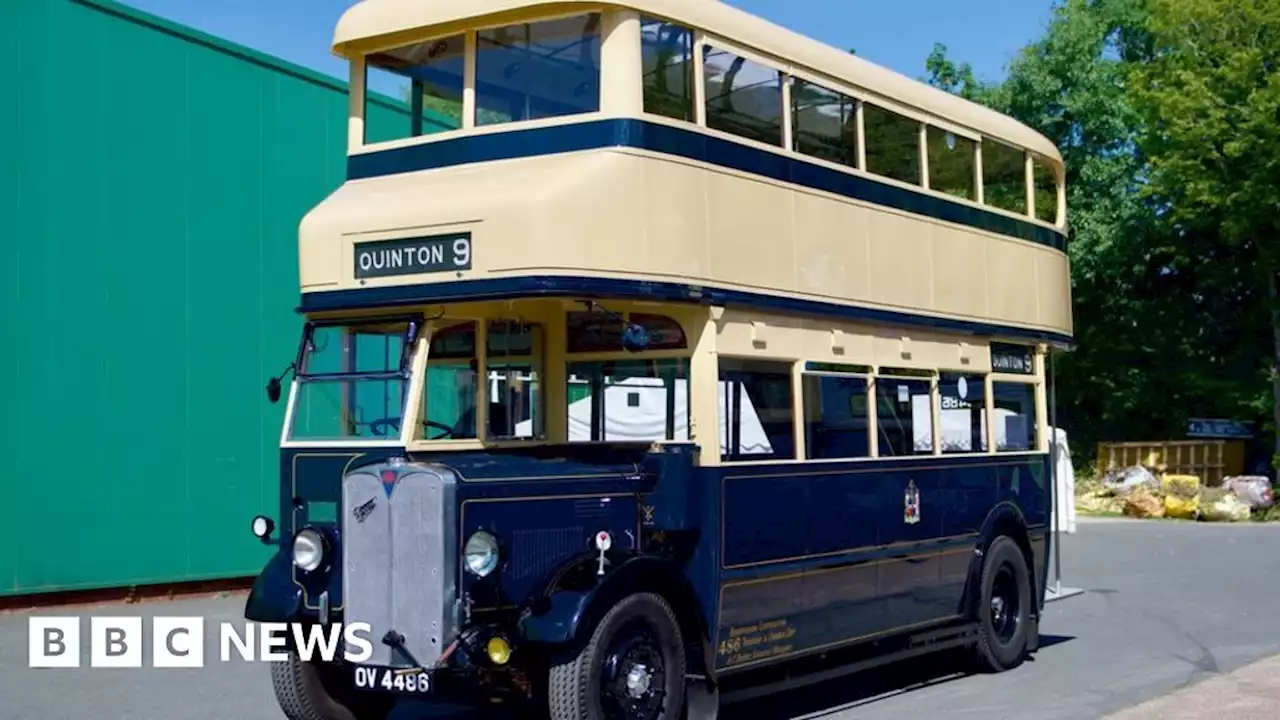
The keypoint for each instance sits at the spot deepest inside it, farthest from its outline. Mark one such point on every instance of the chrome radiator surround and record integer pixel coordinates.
(400, 558)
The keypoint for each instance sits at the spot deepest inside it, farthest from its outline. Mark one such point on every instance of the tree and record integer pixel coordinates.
(1210, 99)
(955, 79)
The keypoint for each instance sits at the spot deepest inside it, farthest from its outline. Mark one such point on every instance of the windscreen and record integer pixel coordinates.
(352, 381)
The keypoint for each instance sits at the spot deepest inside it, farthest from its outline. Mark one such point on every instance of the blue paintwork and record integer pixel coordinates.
(823, 547)
(693, 144)
(532, 286)
(803, 556)
(274, 597)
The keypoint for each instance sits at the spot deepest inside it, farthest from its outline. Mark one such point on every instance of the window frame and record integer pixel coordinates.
(358, 72)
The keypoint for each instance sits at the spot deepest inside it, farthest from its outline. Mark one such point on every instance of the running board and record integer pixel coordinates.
(916, 645)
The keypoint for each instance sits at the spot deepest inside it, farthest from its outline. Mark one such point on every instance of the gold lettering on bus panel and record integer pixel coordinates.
(758, 641)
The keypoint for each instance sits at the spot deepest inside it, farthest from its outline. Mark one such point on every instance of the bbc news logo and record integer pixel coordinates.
(179, 642)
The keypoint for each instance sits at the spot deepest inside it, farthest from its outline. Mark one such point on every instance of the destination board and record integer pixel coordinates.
(413, 256)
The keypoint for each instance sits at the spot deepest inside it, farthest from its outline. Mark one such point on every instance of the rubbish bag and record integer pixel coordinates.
(1181, 496)
(1142, 502)
(1253, 490)
(1123, 481)
(1227, 508)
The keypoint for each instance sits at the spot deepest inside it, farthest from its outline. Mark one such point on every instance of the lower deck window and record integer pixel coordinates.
(512, 374)
(628, 400)
(964, 413)
(1015, 416)
(904, 416)
(757, 420)
(835, 423)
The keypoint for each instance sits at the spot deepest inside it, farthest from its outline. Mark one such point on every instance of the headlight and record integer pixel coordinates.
(481, 553)
(308, 550)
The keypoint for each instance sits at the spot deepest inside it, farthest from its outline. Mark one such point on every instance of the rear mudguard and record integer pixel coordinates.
(275, 597)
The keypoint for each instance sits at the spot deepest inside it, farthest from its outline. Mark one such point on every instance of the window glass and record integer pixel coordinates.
(1046, 192)
(743, 97)
(964, 417)
(413, 90)
(757, 414)
(668, 68)
(538, 70)
(351, 384)
(665, 333)
(952, 167)
(514, 368)
(1004, 176)
(591, 331)
(824, 123)
(628, 400)
(1015, 416)
(893, 144)
(904, 416)
(449, 393)
(835, 417)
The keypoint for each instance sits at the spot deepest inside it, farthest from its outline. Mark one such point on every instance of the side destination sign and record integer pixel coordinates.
(411, 256)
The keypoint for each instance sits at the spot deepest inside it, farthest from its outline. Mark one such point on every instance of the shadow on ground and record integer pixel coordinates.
(864, 688)
(813, 701)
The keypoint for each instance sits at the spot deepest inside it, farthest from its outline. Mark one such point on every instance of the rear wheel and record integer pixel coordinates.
(1003, 607)
(631, 668)
(309, 691)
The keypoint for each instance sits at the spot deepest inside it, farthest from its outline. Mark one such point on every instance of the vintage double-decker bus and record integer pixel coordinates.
(653, 354)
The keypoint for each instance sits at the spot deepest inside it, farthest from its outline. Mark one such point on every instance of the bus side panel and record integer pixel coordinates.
(819, 554)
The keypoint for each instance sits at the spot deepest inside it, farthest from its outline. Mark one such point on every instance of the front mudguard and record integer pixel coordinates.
(559, 612)
(275, 597)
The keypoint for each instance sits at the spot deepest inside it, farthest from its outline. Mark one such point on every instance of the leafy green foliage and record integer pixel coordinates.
(1165, 112)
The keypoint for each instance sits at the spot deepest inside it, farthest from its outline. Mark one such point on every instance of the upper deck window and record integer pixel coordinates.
(414, 90)
(1046, 191)
(668, 69)
(1004, 176)
(893, 144)
(824, 123)
(743, 97)
(952, 164)
(538, 70)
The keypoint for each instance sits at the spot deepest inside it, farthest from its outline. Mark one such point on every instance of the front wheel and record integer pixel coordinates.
(1003, 608)
(309, 691)
(631, 668)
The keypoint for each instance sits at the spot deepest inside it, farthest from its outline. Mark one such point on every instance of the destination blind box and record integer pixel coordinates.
(413, 256)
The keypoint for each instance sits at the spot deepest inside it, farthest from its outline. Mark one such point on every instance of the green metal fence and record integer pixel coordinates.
(150, 195)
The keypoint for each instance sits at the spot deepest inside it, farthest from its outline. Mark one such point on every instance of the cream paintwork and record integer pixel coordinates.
(379, 24)
(633, 214)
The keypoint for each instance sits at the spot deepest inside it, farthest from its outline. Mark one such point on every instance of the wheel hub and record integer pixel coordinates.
(638, 679)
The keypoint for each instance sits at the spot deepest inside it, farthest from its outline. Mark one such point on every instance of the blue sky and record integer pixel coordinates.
(897, 34)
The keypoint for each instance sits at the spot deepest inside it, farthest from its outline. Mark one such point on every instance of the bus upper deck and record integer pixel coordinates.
(683, 151)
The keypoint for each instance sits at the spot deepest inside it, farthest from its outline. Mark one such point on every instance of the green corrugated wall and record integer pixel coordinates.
(150, 195)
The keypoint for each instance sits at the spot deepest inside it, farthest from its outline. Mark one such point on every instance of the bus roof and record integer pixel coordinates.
(374, 23)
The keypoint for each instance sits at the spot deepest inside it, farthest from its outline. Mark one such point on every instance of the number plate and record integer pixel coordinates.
(393, 680)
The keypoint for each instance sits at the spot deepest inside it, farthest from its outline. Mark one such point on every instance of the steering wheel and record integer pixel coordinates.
(448, 431)
(381, 426)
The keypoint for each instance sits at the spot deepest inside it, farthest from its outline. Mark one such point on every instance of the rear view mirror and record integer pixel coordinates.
(273, 390)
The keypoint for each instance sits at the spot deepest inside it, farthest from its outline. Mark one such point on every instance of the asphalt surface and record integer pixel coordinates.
(1168, 606)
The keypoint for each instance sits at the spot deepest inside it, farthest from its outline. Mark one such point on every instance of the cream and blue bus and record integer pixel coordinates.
(653, 356)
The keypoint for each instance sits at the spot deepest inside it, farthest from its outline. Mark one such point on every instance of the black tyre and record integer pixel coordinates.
(1003, 607)
(307, 691)
(632, 667)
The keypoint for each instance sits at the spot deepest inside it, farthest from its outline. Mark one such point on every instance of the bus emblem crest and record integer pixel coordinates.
(389, 478)
(911, 504)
